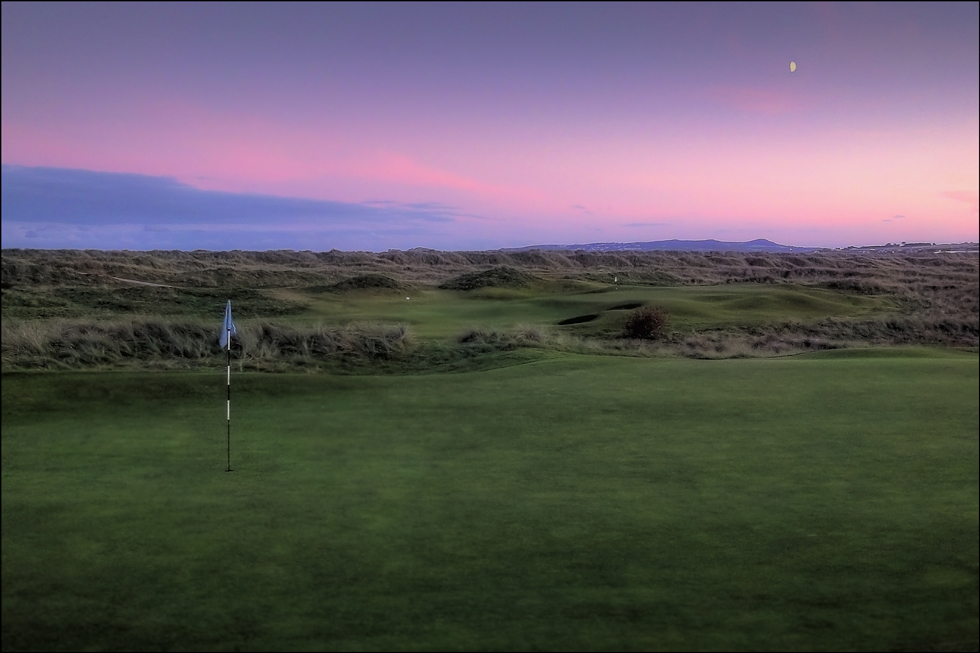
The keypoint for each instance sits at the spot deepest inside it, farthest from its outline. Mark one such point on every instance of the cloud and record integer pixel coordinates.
(430, 210)
(87, 197)
(755, 100)
(72, 208)
(894, 217)
(647, 224)
(961, 195)
(967, 196)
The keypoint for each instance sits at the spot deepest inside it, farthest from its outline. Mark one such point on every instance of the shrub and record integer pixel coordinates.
(647, 323)
(482, 336)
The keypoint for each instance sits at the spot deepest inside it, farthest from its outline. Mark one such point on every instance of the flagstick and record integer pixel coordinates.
(228, 336)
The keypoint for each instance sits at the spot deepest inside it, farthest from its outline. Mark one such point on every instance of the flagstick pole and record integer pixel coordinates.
(228, 336)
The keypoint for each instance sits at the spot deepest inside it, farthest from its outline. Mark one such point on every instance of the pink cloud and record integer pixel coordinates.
(220, 151)
(755, 100)
(399, 168)
(968, 196)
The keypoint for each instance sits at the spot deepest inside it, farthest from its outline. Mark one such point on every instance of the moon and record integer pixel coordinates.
(792, 66)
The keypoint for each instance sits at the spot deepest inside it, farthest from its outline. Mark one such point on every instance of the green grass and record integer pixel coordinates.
(599, 503)
(442, 313)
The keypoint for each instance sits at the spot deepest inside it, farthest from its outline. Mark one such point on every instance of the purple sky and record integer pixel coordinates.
(376, 126)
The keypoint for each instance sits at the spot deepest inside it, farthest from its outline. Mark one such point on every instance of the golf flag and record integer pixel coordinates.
(229, 327)
(227, 331)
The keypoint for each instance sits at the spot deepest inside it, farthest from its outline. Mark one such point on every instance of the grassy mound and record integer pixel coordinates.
(502, 276)
(368, 282)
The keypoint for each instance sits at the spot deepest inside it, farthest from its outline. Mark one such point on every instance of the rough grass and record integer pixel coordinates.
(76, 309)
(392, 348)
(362, 282)
(592, 503)
(122, 299)
(497, 277)
(945, 281)
(162, 343)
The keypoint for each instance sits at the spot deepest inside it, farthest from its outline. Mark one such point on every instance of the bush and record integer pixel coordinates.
(647, 323)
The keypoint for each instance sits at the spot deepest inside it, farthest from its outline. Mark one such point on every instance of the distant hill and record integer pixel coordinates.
(758, 245)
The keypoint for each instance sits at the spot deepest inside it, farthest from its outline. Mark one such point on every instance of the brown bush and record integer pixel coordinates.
(647, 323)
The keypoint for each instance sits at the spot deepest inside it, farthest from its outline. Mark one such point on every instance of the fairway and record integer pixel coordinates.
(825, 502)
(443, 313)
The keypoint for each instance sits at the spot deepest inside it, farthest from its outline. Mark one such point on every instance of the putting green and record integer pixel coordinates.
(594, 503)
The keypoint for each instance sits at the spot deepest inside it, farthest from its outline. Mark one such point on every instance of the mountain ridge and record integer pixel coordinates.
(675, 245)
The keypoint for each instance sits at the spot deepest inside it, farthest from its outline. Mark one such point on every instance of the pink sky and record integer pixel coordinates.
(532, 124)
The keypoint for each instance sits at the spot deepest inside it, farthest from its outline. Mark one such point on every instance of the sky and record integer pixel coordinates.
(374, 126)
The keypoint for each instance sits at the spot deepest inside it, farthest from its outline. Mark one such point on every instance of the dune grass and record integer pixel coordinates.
(589, 503)
(352, 329)
(721, 305)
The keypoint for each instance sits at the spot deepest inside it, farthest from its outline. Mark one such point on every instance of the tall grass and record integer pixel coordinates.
(94, 317)
(936, 275)
(162, 343)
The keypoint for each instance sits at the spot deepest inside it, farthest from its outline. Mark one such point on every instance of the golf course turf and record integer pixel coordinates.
(827, 501)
